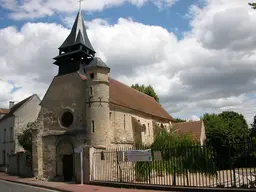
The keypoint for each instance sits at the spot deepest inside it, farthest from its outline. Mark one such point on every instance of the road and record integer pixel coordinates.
(13, 187)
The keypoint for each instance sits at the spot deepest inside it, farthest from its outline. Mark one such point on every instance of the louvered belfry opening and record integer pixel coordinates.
(76, 51)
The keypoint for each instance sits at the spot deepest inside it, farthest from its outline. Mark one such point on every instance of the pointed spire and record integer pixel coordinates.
(78, 34)
(80, 38)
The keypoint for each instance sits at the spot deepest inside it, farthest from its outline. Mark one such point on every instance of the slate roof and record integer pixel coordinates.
(78, 34)
(123, 95)
(97, 62)
(16, 107)
(193, 127)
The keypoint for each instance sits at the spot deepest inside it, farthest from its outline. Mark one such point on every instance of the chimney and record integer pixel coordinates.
(11, 104)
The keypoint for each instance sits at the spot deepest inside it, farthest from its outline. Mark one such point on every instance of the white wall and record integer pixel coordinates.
(6, 139)
(18, 123)
(203, 134)
(26, 114)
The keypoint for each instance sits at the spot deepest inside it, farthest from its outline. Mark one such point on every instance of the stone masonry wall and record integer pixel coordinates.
(49, 157)
(122, 126)
(66, 92)
(97, 108)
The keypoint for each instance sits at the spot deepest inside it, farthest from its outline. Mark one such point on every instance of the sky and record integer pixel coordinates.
(199, 55)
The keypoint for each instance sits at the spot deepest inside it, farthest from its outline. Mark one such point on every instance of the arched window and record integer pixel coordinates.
(124, 122)
(145, 128)
(93, 126)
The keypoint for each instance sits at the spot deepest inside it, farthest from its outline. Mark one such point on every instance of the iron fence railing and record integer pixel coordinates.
(194, 166)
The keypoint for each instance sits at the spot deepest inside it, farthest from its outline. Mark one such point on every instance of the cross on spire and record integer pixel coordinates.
(80, 2)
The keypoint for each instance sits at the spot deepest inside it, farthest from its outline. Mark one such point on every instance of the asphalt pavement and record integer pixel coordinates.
(14, 187)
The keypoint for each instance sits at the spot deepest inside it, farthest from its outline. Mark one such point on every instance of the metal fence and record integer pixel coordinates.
(195, 166)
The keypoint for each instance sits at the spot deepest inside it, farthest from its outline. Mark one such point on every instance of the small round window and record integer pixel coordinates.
(67, 119)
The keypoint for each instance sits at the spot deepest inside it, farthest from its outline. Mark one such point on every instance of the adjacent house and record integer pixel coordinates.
(3, 112)
(13, 123)
(196, 128)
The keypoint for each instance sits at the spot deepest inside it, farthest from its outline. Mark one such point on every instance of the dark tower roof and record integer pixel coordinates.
(97, 63)
(76, 52)
(78, 34)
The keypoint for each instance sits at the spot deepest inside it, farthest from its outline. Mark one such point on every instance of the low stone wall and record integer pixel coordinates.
(19, 166)
(13, 168)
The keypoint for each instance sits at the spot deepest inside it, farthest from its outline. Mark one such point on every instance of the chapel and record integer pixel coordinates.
(85, 106)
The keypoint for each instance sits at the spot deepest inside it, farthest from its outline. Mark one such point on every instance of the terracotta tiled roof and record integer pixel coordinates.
(193, 127)
(4, 111)
(123, 95)
(83, 77)
(126, 96)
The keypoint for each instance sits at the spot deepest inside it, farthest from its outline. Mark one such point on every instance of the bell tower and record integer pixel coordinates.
(76, 51)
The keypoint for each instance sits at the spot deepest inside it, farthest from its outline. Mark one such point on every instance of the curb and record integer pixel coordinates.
(36, 185)
(166, 188)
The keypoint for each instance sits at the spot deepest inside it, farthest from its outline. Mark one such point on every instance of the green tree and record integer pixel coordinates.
(25, 138)
(253, 5)
(178, 120)
(253, 128)
(149, 90)
(181, 154)
(221, 131)
(138, 87)
(238, 129)
(228, 125)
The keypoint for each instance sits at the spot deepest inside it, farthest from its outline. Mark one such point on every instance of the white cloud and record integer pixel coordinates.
(164, 3)
(225, 24)
(6, 89)
(40, 8)
(200, 73)
(194, 118)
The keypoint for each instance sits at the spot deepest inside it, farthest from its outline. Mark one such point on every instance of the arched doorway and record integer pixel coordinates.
(65, 159)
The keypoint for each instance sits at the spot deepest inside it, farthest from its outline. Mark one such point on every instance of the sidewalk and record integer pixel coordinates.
(65, 187)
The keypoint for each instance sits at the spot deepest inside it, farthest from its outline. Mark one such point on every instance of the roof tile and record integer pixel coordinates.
(126, 96)
(193, 127)
(4, 111)
(123, 95)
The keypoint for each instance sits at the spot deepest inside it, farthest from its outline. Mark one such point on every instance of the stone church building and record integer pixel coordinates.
(85, 106)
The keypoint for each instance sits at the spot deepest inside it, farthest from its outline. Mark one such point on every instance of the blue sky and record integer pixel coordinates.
(173, 18)
(181, 68)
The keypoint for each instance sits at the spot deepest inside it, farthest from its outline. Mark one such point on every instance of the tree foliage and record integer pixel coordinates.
(228, 126)
(222, 131)
(25, 138)
(253, 128)
(149, 90)
(253, 5)
(181, 154)
(178, 120)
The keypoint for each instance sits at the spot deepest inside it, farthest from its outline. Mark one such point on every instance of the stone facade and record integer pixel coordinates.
(83, 107)
(113, 125)
(123, 126)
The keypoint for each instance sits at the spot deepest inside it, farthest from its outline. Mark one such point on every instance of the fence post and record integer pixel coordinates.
(174, 169)
(233, 184)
